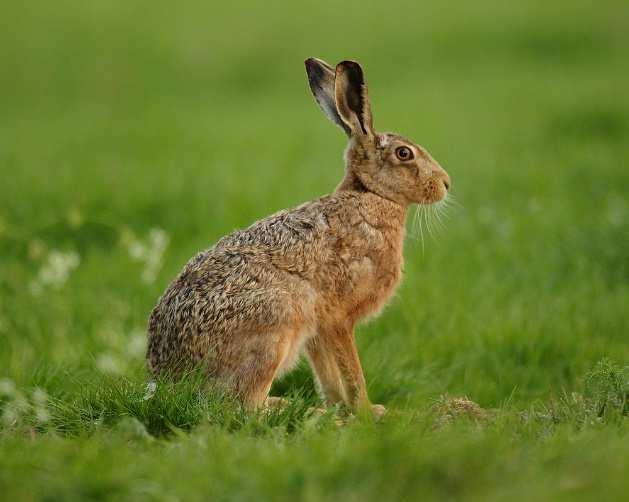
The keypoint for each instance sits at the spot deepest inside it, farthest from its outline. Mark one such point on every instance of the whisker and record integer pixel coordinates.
(428, 221)
(445, 209)
(452, 200)
(422, 217)
(432, 217)
(417, 223)
(438, 219)
(437, 216)
(442, 214)
(421, 228)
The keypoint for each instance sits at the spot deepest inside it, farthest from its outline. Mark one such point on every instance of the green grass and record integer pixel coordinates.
(133, 135)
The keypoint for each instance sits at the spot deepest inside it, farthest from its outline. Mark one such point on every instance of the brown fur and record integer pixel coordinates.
(301, 279)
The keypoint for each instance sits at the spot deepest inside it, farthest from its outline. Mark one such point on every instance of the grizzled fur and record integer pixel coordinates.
(299, 280)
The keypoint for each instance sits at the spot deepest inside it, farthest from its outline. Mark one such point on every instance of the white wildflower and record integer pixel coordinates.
(109, 363)
(18, 406)
(39, 397)
(111, 333)
(20, 403)
(136, 346)
(137, 250)
(41, 415)
(159, 238)
(131, 427)
(15, 408)
(10, 415)
(7, 387)
(55, 271)
(158, 241)
(122, 348)
(149, 252)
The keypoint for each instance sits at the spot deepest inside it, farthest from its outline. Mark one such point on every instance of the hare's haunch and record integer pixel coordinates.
(299, 280)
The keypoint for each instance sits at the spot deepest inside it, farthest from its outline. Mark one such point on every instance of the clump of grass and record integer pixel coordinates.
(605, 398)
(607, 389)
(170, 408)
(107, 399)
(161, 408)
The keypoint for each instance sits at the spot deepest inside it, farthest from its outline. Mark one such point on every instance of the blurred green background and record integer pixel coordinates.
(134, 134)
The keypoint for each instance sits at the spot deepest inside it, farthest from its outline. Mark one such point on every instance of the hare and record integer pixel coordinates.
(299, 280)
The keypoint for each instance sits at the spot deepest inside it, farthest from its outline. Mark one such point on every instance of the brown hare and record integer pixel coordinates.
(299, 280)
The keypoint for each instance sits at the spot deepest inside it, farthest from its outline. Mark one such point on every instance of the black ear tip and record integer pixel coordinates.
(313, 68)
(350, 64)
(312, 63)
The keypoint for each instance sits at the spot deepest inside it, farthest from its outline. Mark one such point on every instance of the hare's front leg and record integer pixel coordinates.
(326, 370)
(334, 360)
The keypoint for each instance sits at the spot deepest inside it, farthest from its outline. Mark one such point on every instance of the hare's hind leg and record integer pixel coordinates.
(260, 364)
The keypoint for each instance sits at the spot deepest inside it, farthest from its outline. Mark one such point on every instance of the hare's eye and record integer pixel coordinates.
(404, 153)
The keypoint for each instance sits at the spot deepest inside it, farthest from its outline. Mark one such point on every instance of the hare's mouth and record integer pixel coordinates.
(435, 190)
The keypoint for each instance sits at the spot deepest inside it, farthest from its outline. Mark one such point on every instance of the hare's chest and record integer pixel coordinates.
(373, 271)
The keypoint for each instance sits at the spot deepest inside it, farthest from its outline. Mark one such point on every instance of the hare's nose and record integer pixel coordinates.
(440, 173)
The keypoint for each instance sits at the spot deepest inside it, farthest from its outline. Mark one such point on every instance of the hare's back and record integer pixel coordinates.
(221, 301)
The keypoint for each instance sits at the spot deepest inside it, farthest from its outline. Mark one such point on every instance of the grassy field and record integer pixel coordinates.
(133, 134)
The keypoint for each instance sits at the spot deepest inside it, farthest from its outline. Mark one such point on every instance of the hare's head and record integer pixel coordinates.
(384, 163)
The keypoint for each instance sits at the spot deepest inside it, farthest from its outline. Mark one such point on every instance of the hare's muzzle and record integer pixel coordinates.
(443, 182)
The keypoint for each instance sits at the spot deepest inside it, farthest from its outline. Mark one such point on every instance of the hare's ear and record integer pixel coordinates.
(321, 79)
(352, 99)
